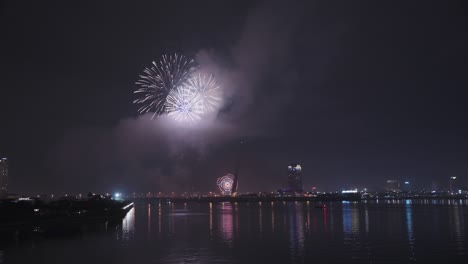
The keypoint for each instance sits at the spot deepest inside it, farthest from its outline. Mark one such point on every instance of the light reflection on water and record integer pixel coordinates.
(272, 216)
(410, 229)
(296, 231)
(128, 225)
(226, 220)
(275, 232)
(149, 219)
(351, 229)
(458, 232)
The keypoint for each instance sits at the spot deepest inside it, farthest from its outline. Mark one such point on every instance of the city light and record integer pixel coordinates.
(349, 191)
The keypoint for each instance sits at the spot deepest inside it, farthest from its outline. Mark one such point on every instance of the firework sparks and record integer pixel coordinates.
(209, 92)
(197, 96)
(225, 184)
(157, 82)
(173, 86)
(183, 104)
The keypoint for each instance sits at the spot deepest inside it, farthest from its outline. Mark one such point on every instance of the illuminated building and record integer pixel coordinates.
(392, 186)
(407, 186)
(3, 177)
(295, 178)
(452, 184)
(235, 183)
(225, 184)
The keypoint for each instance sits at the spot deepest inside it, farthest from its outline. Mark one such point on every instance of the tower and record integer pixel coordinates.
(452, 184)
(295, 178)
(3, 177)
(392, 186)
(235, 182)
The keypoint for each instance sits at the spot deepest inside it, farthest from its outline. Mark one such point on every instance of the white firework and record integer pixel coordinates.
(159, 80)
(209, 92)
(225, 184)
(183, 104)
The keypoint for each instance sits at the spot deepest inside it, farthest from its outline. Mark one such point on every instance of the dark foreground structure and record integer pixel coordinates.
(60, 216)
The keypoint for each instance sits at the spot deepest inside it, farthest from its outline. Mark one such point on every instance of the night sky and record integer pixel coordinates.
(357, 92)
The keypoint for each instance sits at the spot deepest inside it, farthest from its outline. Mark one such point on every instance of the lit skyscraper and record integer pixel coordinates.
(295, 178)
(453, 184)
(392, 186)
(3, 177)
(407, 186)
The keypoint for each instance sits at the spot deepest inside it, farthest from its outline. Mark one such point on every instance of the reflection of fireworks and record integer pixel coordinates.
(225, 184)
(160, 79)
(208, 90)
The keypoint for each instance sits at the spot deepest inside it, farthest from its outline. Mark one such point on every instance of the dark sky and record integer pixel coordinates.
(357, 92)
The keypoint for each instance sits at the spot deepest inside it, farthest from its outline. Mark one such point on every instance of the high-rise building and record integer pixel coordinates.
(453, 184)
(392, 186)
(3, 177)
(295, 178)
(407, 186)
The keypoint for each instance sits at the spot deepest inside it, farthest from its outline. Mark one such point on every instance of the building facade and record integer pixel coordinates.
(393, 186)
(295, 178)
(3, 177)
(453, 184)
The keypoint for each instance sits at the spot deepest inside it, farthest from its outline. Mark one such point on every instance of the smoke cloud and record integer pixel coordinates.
(140, 154)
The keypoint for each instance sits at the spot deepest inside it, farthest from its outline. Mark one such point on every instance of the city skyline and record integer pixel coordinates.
(357, 93)
(292, 186)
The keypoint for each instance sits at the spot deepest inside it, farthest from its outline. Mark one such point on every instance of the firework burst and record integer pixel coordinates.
(160, 80)
(183, 104)
(209, 92)
(196, 97)
(225, 184)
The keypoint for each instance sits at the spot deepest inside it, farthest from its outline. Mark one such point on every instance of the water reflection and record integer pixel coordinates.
(240, 233)
(272, 216)
(296, 231)
(260, 217)
(409, 228)
(350, 213)
(149, 219)
(456, 220)
(366, 218)
(211, 219)
(226, 220)
(307, 223)
(350, 220)
(171, 222)
(159, 218)
(236, 223)
(325, 218)
(128, 225)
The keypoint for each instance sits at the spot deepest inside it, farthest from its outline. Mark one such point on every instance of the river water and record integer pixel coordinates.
(425, 231)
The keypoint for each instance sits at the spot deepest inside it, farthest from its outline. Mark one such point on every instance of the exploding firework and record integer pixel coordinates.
(157, 82)
(183, 104)
(199, 95)
(209, 92)
(225, 184)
